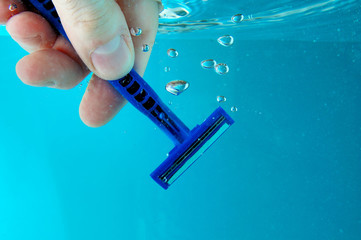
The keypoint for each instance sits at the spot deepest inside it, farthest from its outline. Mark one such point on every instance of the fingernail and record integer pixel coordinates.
(111, 59)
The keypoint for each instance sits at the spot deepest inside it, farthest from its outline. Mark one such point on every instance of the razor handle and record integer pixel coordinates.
(132, 86)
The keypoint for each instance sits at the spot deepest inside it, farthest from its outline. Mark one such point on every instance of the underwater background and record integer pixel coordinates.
(289, 168)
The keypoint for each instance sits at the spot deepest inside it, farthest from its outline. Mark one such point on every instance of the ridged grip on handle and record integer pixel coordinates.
(143, 97)
(132, 86)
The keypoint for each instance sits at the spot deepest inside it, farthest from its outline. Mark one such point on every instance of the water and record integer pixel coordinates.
(289, 168)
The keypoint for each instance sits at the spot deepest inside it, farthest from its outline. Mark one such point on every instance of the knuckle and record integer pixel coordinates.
(87, 16)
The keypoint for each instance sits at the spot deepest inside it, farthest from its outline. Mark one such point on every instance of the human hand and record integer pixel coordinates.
(100, 42)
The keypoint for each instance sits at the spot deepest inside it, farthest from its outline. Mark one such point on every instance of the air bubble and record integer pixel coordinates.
(226, 40)
(234, 109)
(167, 69)
(222, 68)
(172, 53)
(13, 7)
(136, 31)
(176, 87)
(221, 99)
(145, 48)
(162, 116)
(237, 18)
(208, 64)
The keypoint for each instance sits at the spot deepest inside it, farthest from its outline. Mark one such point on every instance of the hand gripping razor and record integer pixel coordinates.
(189, 144)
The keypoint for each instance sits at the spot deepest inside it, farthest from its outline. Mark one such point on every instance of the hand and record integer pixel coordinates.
(100, 42)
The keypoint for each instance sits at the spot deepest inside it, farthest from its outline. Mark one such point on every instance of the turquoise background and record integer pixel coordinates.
(289, 168)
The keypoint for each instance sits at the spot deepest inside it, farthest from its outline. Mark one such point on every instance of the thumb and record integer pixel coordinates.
(99, 33)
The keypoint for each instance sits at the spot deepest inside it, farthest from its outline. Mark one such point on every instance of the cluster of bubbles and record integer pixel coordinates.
(176, 87)
(172, 53)
(220, 68)
(136, 32)
(222, 99)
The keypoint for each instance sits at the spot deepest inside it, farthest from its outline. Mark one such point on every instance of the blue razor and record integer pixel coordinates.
(189, 144)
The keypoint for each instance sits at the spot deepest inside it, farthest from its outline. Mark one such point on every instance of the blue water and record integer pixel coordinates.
(289, 168)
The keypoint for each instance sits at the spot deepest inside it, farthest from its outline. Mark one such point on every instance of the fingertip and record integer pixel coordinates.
(49, 67)
(31, 31)
(114, 59)
(27, 71)
(88, 122)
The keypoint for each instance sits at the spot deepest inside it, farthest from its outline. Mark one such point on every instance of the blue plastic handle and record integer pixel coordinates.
(132, 86)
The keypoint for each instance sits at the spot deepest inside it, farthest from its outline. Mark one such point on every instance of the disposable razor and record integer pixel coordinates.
(189, 144)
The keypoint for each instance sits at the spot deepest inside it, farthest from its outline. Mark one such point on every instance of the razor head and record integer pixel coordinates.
(186, 153)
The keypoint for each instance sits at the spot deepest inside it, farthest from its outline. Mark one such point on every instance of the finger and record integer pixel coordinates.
(142, 14)
(31, 31)
(34, 33)
(100, 103)
(99, 33)
(50, 68)
(9, 8)
(95, 107)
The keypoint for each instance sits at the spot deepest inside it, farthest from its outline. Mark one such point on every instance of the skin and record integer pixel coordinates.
(54, 62)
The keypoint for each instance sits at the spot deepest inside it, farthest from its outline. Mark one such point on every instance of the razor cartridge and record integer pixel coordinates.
(186, 153)
(189, 144)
